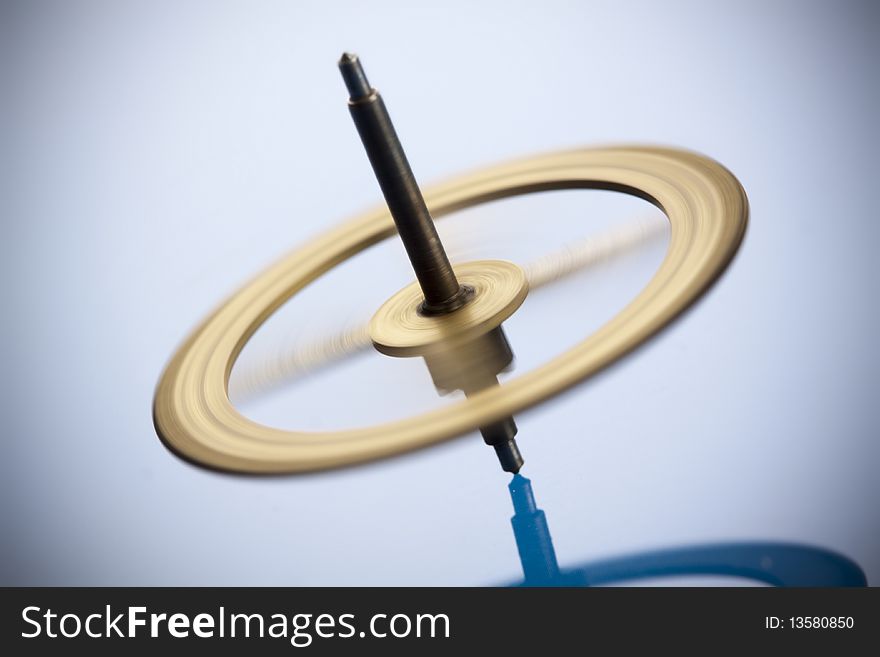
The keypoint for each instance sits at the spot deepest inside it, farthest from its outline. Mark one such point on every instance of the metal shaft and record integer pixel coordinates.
(441, 288)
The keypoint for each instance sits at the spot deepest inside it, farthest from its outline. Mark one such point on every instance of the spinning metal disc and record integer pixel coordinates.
(707, 211)
(306, 356)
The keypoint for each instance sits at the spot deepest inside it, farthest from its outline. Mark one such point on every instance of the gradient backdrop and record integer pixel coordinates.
(156, 154)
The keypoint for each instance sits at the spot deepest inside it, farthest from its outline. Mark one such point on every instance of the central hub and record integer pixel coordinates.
(399, 329)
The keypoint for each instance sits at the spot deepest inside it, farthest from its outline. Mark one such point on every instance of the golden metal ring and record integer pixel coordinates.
(707, 210)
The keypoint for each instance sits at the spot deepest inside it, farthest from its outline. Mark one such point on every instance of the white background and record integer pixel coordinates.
(155, 155)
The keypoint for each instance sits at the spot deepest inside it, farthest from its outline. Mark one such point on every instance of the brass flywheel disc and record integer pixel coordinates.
(707, 211)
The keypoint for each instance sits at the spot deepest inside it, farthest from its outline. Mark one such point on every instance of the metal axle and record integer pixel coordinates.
(441, 288)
